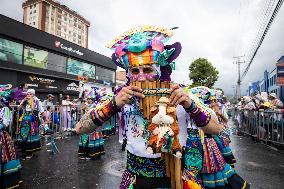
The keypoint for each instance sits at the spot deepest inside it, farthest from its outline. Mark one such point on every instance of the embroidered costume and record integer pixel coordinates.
(91, 145)
(204, 163)
(27, 133)
(9, 163)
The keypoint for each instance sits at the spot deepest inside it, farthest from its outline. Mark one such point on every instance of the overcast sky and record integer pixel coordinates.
(216, 30)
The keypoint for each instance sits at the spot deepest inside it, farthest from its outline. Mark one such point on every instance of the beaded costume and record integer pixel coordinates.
(9, 163)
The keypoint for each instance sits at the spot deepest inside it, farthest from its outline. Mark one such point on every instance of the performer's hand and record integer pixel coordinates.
(178, 96)
(126, 94)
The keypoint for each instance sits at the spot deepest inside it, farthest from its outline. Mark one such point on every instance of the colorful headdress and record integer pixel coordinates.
(144, 45)
(202, 93)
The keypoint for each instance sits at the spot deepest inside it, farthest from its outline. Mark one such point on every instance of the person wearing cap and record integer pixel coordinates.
(48, 101)
(275, 101)
(142, 53)
(27, 133)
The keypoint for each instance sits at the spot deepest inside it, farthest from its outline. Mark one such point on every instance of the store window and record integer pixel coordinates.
(43, 59)
(11, 51)
(35, 57)
(79, 68)
(105, 75)
(56, 62)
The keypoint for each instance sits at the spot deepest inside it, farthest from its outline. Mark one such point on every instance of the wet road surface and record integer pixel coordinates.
(261, 166)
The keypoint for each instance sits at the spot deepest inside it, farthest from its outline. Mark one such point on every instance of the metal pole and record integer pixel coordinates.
(238, 62)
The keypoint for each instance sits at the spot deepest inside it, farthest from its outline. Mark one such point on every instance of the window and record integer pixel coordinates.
(34, 11)
(35, 57)
(56, 62)
(33, 23)
(11, 51)
(31, 12)
(105, 75)
(31, 6)
(76, 67)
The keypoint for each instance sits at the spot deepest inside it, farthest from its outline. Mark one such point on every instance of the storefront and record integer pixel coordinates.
(47, 63)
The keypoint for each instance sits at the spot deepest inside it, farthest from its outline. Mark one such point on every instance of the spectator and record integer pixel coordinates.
(276, 103)
(56, 117)
(48, 102)
(66, 109)
(47, 116)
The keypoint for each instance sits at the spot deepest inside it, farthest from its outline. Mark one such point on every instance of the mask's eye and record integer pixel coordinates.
(134, 71)
(148, 70)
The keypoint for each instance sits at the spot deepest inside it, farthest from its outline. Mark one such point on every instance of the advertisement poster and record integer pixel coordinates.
(76, 67)
(35, 57)
(11, 51)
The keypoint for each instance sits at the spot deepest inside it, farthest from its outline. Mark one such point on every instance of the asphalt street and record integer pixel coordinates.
(260, 165)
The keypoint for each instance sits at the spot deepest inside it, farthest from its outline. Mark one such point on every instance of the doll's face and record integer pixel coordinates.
(143, 73)
(89, 100)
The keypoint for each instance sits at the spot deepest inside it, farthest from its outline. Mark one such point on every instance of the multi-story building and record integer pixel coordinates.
(48, 63)
(57, 19)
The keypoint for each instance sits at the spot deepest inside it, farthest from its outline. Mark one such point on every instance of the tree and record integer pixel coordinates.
(202, 72)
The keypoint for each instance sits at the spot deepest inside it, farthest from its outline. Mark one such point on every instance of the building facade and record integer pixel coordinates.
(48, 63)
(120, 77)
(268, 84)
(56, 19)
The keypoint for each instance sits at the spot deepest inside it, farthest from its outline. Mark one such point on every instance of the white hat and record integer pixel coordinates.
(273, 95)
(32, 91)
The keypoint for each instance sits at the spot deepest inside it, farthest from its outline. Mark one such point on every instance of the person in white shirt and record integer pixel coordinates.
(66, 110)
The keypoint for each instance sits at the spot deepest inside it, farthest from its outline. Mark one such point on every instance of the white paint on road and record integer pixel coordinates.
(254, 164)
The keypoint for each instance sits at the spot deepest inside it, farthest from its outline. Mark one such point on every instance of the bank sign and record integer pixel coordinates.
(60, 45)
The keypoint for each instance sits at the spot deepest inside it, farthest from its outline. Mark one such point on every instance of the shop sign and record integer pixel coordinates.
(72, 87)
(59, 44)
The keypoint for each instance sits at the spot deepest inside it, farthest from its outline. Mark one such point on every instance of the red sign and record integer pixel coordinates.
(280, 72)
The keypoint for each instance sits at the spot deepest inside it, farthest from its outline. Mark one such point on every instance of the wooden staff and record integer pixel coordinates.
(178, 173)
(172, 170)
(167, 162)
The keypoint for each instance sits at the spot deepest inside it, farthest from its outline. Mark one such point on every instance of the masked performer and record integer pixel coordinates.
(9, 162)
(141, 51)
(27, 134)
(91, 145)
